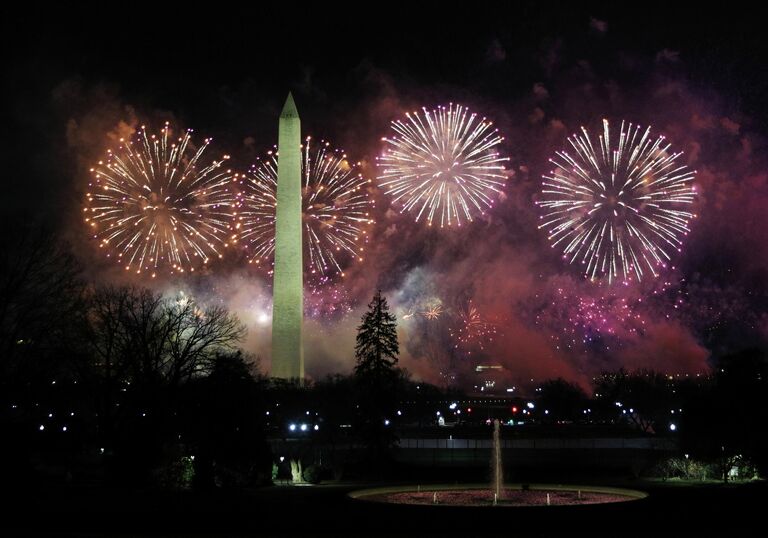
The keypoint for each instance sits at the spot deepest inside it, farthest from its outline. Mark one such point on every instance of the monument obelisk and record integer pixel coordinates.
(288, 283)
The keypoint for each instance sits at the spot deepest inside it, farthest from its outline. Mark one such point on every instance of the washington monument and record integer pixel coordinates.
(288, 284)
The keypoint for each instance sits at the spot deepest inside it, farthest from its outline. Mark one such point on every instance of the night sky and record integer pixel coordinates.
(74, 82)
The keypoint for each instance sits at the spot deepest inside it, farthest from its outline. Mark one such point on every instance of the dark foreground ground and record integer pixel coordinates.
(325, 510)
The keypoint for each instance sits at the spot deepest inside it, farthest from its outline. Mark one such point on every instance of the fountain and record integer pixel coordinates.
(511, 495)
(497, 471)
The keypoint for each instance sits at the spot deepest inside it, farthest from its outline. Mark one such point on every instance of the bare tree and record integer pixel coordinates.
(140, 335)
(147, 331)
(40, 294)
(108, 336)
(144, 347)
(195, 336)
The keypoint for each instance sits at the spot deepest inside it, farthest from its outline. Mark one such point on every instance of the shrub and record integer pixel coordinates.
(312, 474)
(176, 474)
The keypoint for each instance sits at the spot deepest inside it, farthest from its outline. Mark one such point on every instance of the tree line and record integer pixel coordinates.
(152, 389)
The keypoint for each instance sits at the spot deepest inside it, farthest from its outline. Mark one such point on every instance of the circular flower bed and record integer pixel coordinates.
(483, 496)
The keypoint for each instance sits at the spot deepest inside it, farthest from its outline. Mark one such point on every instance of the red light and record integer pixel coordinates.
(469, 409)
(514, 409)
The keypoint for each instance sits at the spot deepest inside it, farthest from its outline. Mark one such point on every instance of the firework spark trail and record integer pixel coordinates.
(327, 302)
(580, 322)
(443, 164)
(335, 203)
(156, 205)
(618, 209)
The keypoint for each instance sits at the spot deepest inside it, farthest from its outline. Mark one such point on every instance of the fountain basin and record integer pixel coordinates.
(513, 495)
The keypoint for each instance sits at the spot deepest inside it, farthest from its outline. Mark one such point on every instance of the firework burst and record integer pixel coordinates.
(472, 330)
(443, 165)
(155, 204)
(433, 311)
(619, 207)
(335, 206)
